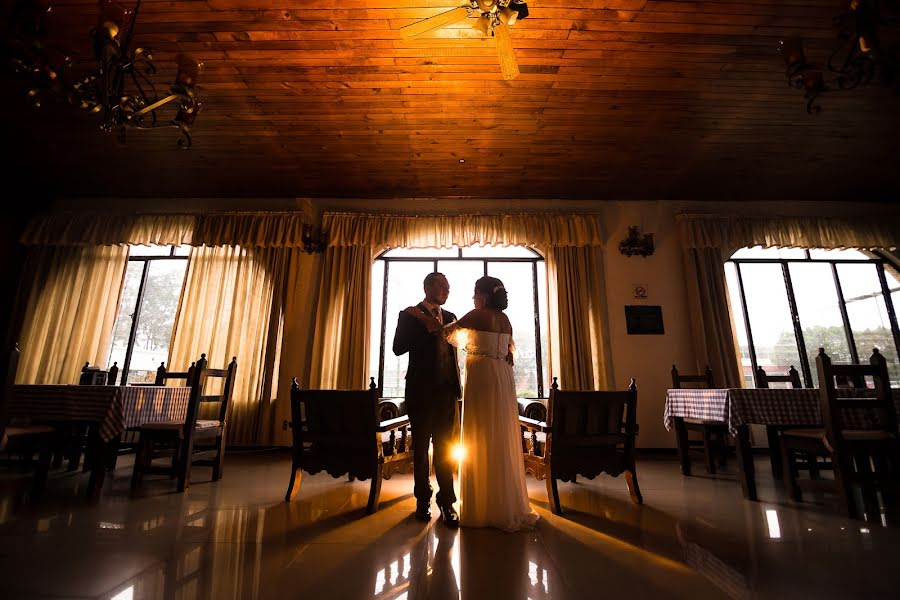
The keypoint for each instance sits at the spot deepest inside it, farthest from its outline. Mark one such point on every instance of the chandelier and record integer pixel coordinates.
(859, 56)
(116, 84)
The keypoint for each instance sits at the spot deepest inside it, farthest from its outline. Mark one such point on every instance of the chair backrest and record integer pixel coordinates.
(201, 376)
(699, 381)
(583, 415)
(833, 399)
(93, 375)
(763, 379)
(163, 376)
(323, 420)
(9, 380)
(113, 374)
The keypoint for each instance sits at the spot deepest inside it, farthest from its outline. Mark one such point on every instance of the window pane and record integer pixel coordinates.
(769, 253)
(422, 253)
(845, 254)
(542, 309)
(404, 289)
(154, 328)
(182, 250)
(376, 304)
(122, 328)
(462, 275)
(518, 280)
(740, 327)
(868, 314)
(770, 317)
(149, 250)
(819, 312)
(497, 252)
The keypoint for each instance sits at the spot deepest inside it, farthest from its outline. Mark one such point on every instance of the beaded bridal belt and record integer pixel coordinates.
(484, 354)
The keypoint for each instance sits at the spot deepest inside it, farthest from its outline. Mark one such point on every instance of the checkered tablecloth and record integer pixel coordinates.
(113, 408)
(742, 406)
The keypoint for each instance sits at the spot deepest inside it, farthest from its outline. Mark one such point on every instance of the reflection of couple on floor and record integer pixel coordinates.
(492, 473)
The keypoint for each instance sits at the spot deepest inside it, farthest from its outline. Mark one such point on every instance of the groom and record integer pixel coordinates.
(432, 394)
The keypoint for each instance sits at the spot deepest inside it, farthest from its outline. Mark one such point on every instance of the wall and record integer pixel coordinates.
(647, 358)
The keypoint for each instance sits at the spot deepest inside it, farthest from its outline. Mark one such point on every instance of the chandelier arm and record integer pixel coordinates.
(126, 41)
(157, 104)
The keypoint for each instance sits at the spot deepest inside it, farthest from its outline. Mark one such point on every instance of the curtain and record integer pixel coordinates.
(93, 229)
(442, 231)
(712, 329)
(340, 352)
(709, 240)
(74, 295)
(579, 330)
(232, 306)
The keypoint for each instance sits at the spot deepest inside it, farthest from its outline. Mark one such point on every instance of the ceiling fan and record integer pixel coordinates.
(494, 16)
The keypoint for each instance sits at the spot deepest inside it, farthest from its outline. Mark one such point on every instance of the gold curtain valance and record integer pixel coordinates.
(445, 231)
(250, 230)
(99, 229)
(733, 232)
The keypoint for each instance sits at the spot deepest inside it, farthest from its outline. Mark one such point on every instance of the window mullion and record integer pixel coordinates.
(135, 318)
(845, 317)
(746, 313)
(798, 330)
(537, 333)
(889, 306)
(384, 293)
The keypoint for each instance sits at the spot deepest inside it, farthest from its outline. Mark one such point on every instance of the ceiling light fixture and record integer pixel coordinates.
(100, 87)
(860, 54)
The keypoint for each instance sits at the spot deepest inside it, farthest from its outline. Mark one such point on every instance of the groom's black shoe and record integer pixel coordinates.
(423, 511)
(451, 517)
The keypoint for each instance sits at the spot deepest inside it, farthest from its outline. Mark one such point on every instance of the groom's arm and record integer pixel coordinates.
(408, 332)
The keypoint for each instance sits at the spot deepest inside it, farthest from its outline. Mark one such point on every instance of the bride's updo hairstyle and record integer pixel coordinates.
(494, 292)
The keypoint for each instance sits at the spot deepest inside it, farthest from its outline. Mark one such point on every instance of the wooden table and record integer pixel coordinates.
(775, 408)
(107, 410)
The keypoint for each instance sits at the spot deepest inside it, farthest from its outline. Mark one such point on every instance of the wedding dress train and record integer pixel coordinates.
(492, 472)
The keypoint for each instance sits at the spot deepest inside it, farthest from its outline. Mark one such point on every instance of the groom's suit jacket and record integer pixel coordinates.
(432, 360)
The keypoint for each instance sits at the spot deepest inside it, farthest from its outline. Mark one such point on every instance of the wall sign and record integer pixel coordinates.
(644, 320)
(639, 291)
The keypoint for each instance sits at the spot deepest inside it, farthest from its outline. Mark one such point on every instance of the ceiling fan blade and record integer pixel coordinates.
(508, 64)
(445, 18)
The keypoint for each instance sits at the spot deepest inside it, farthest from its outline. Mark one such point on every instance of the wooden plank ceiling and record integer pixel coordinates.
(617, 99)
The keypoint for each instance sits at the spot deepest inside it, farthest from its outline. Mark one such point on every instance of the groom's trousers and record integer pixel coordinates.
(434, 418)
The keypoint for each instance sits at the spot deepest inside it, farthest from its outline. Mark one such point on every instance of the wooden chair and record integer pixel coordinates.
(25, 439)
(713, 434)
(194, 441)
(852, 452)
(587, 433)
(773, 432)
(338, 431)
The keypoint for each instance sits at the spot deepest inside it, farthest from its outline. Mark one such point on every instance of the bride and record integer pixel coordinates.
(492, 474)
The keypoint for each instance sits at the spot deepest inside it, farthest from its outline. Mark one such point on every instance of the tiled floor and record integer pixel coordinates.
(693, 538)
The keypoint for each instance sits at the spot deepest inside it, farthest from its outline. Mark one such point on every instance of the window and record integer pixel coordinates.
(789, 302)
(150, 294)
(397, 277)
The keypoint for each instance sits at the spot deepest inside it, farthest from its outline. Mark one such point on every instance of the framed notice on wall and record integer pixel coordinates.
(644, 320)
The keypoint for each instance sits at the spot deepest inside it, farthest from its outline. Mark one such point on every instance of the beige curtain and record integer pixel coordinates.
(232, 305)
(441, 231)
(709, 240)
(711, 326)
(579, 331)
(74, 295)
(340, 351)
(92, 229)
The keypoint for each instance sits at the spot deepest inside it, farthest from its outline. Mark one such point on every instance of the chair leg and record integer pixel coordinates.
(184, 468)
(789, 474)
(723, 449)
(141, 462)
(774, 437)
(553, 492)
(812, 463)
(219, 464)
(842, 469)
(681, 439)
(374, 492)
(294, 483)
(633, 488)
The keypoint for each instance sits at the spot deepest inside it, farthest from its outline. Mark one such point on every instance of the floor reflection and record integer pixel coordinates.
(694, 538)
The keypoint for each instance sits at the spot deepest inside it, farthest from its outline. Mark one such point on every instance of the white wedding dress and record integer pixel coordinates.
(492, 473)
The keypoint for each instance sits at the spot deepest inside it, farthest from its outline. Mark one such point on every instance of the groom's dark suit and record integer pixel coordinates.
(432, 394)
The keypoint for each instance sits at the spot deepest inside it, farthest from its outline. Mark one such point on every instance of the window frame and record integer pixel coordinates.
(876, 258)
(534, 260)
(139, 299)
